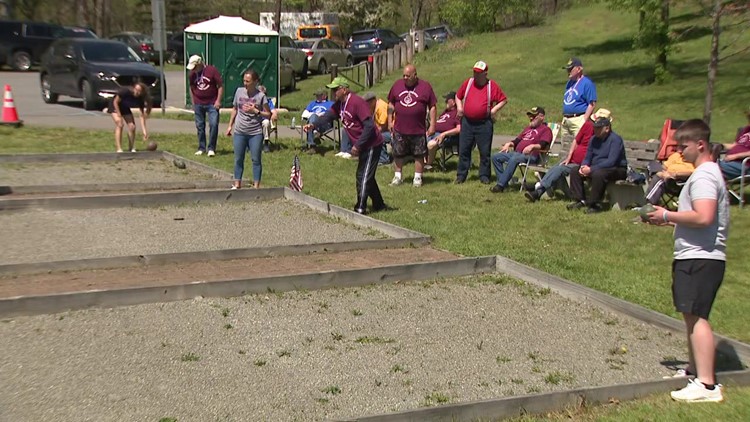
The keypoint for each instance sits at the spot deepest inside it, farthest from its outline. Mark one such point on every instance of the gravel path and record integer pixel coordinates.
(318, 355)
(130, 171)
(44, 235)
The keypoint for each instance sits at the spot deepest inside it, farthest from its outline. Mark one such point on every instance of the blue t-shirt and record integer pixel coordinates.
(578, 95)
(319, 107)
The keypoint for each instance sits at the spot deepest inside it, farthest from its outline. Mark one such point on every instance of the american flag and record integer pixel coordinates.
(295, 178)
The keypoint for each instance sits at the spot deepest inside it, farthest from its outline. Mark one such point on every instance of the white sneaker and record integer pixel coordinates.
(396, 181)
(339, 154)
(345, 155)
(199, 152)
(233, 187)
(680, 373)
(132, 150)
(417, 182)
(211, 153)
(427, 167)
(119, 150)
(696, 392)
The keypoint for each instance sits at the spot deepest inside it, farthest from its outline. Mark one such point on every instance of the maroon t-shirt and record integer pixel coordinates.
(352, 112)
(534, 135)
(475, 103)
(742, 142)
(582, 142)
(204, 85)
(447, 121)
(411, 106)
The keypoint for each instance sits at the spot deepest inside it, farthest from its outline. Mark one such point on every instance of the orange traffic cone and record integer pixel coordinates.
(10, 115)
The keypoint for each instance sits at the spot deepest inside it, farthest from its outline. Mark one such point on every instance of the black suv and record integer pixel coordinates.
(94, 69)
(22, 43)
(370, 41)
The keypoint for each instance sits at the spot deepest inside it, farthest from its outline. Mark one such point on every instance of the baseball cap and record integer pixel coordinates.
(602, 121)
(369, 96)
(573, 62)
(450, 95)
(602, 112)
(194, 60)
(319, 92)
(534, 111)
(480, 66)
(338, 82)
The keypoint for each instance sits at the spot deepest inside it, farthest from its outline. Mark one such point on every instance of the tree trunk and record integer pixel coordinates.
(277, 18)
(713, 63)
(81, 12)
(661, 58)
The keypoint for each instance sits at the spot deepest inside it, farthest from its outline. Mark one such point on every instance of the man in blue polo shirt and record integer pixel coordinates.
(579, 99)
(315, 110)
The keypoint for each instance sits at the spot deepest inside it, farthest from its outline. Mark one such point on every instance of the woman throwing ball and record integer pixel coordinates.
(120, 109)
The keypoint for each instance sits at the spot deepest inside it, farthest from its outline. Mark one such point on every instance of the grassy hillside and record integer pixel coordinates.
(527, 63)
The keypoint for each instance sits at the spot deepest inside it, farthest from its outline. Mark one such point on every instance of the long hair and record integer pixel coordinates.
(146, 96)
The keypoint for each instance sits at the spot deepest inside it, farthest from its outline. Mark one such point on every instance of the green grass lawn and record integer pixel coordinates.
(606, 251)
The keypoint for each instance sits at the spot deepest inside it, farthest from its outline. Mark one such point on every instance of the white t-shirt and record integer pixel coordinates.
(710, 242)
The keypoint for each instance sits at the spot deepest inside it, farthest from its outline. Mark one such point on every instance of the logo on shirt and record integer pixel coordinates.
(347, 119)
(570, 96)
(530, 135)
(744, 140)
(443, 118)
(202, 83)
(319, 110)
(408, 98)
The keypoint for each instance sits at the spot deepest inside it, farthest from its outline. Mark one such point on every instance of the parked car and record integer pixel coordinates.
(370, 41)
(140, 43)
(439, 33)
(287, 77)
(23, 43)
(308, 32)
(94, 69)
(78, 32)
(289, 50)
(428, 41)
(322, 53)
(175, 48)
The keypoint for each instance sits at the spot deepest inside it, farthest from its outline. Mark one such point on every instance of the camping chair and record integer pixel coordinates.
(668, 143)
(543, 155)
(333, 134)
(739, 194)
(447, 152)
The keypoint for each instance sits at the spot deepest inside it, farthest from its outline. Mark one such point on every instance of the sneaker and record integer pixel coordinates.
(199, 152)
(345, 155)
(575, 205)
(396, 181)
(696, 392)
(211, 153)
(427, 167)
(234, 187)
(533, 195)
(119, 150)
(680, 373)
(417, 182)
(497, 189)
(132, 150)
(339, 154)
(266, 147)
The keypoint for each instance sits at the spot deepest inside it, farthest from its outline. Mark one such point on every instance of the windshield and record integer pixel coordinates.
(108, 52)
(79, 33)
(312, 32)
(305, 44)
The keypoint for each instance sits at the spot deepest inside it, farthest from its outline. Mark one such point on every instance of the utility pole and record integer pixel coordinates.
(277, 19)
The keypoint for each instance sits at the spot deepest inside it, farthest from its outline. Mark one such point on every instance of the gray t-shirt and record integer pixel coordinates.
(710, 242)
(247, 123)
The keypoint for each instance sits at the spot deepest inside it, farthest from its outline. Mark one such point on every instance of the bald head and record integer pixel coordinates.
(410, 75)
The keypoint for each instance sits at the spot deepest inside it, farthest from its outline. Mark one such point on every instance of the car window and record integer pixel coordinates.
(285, 42)
(363, 36)
(108, 52)
(305, 44)
(8, 28)
(143, 39)
(39, 31)
(313, 32)
(78, 33)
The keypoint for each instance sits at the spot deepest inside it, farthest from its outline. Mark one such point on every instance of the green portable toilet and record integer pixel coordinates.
(234, 45)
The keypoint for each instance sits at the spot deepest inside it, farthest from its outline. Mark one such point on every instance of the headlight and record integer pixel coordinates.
(106, 76)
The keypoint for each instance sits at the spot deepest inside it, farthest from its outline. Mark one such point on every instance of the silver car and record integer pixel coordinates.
(322, 53)
(290, 51)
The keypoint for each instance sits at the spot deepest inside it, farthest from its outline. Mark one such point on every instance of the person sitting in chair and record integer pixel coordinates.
(379, 110)
(525, 148)
(447, 128)
(731, 165)
(605, 162)
(314, 110)
(269, 124)
(674, 169)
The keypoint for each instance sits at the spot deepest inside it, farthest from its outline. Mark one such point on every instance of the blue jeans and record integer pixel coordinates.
(346, 143)
(321, 129)
(213, 125)
(556, 173)
(731, 169)
(385, 158)
(479, 134)
(511, 161)
(243, 143)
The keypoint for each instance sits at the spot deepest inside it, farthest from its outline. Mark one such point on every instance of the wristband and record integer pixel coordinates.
(664, 216)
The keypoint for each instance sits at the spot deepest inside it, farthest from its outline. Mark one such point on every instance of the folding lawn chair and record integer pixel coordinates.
(543, 155)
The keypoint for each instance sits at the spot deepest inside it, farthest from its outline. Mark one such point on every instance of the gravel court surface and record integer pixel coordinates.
(319, 355)
(55, 235)
(126, 171)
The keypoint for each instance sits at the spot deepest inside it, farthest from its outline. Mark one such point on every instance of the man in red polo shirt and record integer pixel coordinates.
(410, 99)
(477, 102)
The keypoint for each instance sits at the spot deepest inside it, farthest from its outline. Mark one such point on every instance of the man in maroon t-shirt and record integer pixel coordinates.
(525, 148)
(478, 101)
(731, 165)
(357, 120)
(410, 99)
(206, 90)
(572, 161)
(447, 128)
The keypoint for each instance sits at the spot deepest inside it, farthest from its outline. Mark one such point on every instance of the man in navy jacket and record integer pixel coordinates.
(605, 162)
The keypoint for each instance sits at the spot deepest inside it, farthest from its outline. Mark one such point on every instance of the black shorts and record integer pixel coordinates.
(405, 145)
(695, 283)
(124, 111)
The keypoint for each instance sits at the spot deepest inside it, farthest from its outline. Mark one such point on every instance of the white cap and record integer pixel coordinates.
(194, 60)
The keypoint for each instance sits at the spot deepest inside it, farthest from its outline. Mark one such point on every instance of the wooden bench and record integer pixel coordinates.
(623, 194)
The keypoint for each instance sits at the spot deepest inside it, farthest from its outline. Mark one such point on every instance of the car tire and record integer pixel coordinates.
(322, 67)
(90, 102)
(48, 96)
(21, 60)
(293, 84)
(349, 62)
(304, 69)
(171, 57)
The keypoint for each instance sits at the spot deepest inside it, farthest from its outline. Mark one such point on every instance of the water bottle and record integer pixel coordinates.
(294, 122)
(422, 201)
